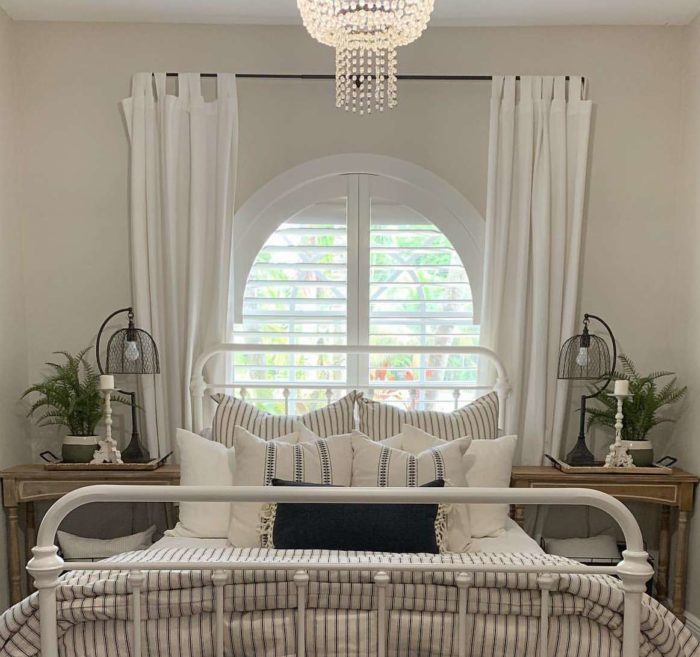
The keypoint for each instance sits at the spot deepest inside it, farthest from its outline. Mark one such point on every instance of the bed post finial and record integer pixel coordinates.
(503, 390)
(635, 571)
(197, 388)
(45, 568)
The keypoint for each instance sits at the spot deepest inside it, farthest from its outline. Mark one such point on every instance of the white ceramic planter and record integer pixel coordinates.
(78, 449)
(641, 451)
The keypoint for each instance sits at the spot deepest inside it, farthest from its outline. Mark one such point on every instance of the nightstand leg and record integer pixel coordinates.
(664, 553)
(14, 558)
(681, 565)
(520, 515)
(29, 541)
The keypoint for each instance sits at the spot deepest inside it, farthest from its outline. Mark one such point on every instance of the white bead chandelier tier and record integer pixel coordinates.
(365, 34)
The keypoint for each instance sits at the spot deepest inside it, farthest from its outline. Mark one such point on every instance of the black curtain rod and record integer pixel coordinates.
(315, 76)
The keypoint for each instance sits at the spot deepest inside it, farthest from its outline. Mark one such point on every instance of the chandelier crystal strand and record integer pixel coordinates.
(365, 34)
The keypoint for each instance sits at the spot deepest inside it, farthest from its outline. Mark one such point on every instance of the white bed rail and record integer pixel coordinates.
(634, 570)
(199, 386)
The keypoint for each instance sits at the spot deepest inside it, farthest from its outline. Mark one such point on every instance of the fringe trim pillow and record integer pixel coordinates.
(335, 419)
(397, 528)
(478, 420)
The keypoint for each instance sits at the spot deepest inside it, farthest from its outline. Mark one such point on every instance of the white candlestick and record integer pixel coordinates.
(622, 387)
(106, 382)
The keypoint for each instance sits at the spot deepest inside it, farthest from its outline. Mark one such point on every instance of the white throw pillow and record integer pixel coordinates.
(378, 464)
(85, 549)
(488, 464)
(478, 419)
(335, 419)
(202, 463)
(602, 546)
(257, 462)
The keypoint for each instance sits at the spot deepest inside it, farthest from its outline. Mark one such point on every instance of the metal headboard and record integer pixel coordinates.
(199, 386)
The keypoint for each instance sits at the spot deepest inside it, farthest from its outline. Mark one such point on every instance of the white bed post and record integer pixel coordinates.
(463, 581)
(635, 571)
(136, 582)
(503, 390)
(547, 582)
(301, 580)
(219, 578)
(381, 580)
(45, 567)
(197, 389)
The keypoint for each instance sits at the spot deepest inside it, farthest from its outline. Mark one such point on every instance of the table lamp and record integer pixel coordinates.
(586, 357)
(130, 350)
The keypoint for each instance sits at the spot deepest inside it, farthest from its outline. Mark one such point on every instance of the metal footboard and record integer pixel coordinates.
(634, 570)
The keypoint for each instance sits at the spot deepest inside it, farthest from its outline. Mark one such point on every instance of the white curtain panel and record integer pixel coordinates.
(538, 154)
(183, 180)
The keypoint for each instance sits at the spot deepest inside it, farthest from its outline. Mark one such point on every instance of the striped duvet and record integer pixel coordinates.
(503, 611)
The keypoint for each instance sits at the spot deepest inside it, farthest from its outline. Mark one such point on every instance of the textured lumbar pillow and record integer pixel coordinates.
(332, 420)
(257, 462)
(376, 464)
(478, 420)
(85, 549)
(487, 463)
(202, 463)
(408, 528)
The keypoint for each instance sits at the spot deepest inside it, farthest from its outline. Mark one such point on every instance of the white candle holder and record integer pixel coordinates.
(108, 451)
(618, 456)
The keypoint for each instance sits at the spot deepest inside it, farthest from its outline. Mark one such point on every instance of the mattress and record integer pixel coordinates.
(513, 539)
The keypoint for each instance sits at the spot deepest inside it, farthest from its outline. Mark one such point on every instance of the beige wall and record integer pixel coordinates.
(13, 353)
(687, 293)
(74, 154)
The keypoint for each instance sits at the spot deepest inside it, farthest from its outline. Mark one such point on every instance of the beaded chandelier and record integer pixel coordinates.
(365, 34)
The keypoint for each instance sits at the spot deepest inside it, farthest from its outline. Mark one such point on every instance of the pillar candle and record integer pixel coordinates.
(106, 382)
(622, 387)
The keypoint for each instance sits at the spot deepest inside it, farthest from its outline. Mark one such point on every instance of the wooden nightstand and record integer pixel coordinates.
(670, 491)
(26, 484)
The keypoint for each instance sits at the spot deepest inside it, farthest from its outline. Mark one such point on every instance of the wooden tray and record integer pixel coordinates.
(153, 464)
(598, 468)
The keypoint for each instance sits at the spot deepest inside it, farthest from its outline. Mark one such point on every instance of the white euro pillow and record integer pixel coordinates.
(488, 464)
(202, 463)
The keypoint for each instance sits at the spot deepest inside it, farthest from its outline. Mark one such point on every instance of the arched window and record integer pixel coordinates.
(356, 258)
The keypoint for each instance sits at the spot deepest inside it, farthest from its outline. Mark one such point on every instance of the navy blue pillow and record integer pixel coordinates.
(403, 528)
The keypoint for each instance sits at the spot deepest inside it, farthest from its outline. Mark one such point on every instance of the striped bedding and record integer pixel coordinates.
(503, 611)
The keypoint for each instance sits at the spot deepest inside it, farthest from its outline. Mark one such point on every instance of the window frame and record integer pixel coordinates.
(301, 186)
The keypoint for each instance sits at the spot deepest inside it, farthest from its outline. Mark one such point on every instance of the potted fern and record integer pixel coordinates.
(70, 397)
(641, 409)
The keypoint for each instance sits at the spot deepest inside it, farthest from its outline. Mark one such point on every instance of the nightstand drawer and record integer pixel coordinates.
(654, 494)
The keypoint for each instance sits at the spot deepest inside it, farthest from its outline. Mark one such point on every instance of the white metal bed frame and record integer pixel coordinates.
(46, 565)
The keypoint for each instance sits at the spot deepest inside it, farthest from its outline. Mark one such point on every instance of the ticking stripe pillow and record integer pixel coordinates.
(332, 420)
(478, 420)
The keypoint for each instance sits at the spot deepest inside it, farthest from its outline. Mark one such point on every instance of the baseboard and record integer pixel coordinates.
(692, 622)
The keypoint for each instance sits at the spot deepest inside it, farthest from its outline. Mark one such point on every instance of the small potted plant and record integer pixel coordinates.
(70, 397)
(640, 410)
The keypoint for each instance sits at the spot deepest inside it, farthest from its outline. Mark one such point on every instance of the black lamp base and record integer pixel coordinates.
(580, 455)
(135, 452)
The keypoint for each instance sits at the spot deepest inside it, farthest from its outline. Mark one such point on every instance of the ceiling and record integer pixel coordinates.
(284, 12)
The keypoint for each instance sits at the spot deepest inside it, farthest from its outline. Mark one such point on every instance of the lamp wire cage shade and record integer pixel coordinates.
(365, 34)
(132, 351)
(595, 364)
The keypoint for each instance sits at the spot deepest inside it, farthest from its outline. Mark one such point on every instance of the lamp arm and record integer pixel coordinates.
(614, 353)
(99, 335)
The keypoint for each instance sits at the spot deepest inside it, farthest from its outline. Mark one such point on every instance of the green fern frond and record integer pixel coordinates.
(641, 408)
